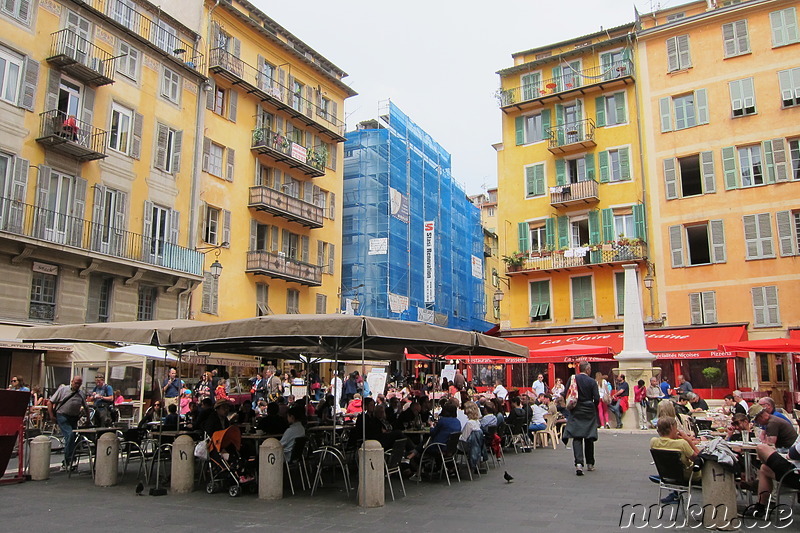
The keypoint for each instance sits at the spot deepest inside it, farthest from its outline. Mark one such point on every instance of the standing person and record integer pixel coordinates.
(683, 386)
(102, 396)
(204, 389)
(65, 408)
(336, 389)
(665, 387)
(259, 389)
(350, 388)
(459, 381)
(582, 424)
(640, 400)
(603, 390)
(171, 388)
(274, 384)
(620, 399)
(654, 394)
(538, 386)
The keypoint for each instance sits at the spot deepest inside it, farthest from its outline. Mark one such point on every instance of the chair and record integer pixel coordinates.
(449, 453)
(130, 447)
(394, 458)
(519, 435)
(496, 454)
(126, 413)
(473, 452)
(548, 435)
(298, 460)
(330, 456)
(776, 492)
(671, 476)
(83, 448)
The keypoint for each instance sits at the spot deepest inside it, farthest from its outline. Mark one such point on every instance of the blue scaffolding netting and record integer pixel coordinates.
(396, 178)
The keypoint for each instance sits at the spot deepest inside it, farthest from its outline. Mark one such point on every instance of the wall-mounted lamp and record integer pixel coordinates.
(216, 266)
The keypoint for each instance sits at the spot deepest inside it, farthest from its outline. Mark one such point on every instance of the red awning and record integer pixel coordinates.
(779, 345)
(470, 359)
(688, 343)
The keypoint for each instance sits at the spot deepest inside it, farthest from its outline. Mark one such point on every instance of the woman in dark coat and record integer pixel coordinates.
(582, 425)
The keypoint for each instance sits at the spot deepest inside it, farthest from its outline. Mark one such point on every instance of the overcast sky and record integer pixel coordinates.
(436, 59)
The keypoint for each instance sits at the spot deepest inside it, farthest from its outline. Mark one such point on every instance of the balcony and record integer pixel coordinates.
(282, 205)
(567, 86)
(45, 227)
(150, 32)
(78, 57)
(572, 137)
(236, 71)
(573, 258)
(277, 265)
(487, 250)
(278, 147)
(69, 136)
(581, 193)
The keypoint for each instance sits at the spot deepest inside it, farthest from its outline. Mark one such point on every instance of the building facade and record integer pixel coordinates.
(413, 243)
(487, 203)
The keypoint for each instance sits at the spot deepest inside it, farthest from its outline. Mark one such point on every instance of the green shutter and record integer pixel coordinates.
(600, 111)
(589, 160)
(594, 227)
(557, 78)
(639, 222)
(619, 278)
(561, 172)
(582, 297)
(530, 181)
(538, 180)
(545, 124)
(563, 232)
(519, 127)
(608, 224)
(619, 103)
(550, 233)
(624, 164)
(729, 167)
(559, 124)
(523, 230)
(701, 102)
(604, 170)
(665, 109)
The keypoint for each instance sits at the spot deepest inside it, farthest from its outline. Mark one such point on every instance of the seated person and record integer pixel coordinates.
(775, 431)
(375, 426)
(489, 418)
(205, 410)
(740, 426)
(769, 405)
(518, 415)
(697, 403)
(473, 420)
(326, 410)
(218, 419)
(172, 419)
(667, 409)
(261, 408)
(296, 416)
(153, 414)
(538, 423)
(354, 406)
(447, 424)
(410, 417)
(671, 438)
(273, 423)
(730, 405)
(682, 406)
(245, 415)
(774, 466)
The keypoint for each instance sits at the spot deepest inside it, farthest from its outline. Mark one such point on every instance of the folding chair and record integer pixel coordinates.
(394, 458)
(776, 492)
(671, 476)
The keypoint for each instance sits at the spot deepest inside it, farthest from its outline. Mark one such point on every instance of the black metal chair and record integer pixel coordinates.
(394, 459)
(298, 461)
(672, 476)
(776, 491)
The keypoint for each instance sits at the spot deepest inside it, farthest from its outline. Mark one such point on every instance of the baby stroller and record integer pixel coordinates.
(226, 467)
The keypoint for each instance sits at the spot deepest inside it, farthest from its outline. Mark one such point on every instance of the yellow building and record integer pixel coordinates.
(721, 116)
(271, 166)
(571, 204)
(97, 109)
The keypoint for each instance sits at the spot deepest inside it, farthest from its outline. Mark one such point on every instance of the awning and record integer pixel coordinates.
(687, 343)
(471, 359)
(778, 345)
(795, 334)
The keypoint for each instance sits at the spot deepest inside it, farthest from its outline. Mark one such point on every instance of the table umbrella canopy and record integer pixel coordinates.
(763, 345)
(154, 332)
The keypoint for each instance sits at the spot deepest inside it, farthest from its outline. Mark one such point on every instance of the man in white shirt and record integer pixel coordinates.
(538, 422)
(539, 386)
(499, 390)
(336, 386)
(737, 397)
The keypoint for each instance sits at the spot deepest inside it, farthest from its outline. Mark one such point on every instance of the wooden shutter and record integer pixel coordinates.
(530, 181)
(138, 127)
(759, 306)
(779, 160)
(563, 232)
(233, 102)
(237, 47)
(676, 245)
(751, 236)
(87, 112)
(561, 172)
(78, 212)
(550, 233)
(19, 187)
(624, 164)
(332, 205)
(709, 301)
(285, 242)
(672, 54)
(304, 243)
(331, 259)
(519, 130)
(600, 111)
(177, 146)
(211, 94)
(147, 226)
(608, 224)
(229, 169)
(309, 101)
(523, 236)
(205, 306)
(696, 308)
(588, 160)
(707, 170)
(771, 300)
(729, 39)
(701, 103)
(53, 84)
(670, 179)
(253, 235)
(545, 124)
(206, 153)
(594, 227)
(321, 254)
(639, 222)
(764, 224)
(786, 238)
(665, 109)
(27, 96)
(605, 173)
(174, 226)
(729, 167)
(716, 230)
(619, 104)
(274, 244)
(684, 57)
(226, 228)
(162, 139)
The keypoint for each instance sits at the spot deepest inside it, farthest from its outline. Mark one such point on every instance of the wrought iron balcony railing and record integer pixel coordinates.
(581, 257)
(66, 134)
(50, 226)
(80, 58)
(575, 135)
(280, 148)
(582, 192)
(283, 205)
(277, 265)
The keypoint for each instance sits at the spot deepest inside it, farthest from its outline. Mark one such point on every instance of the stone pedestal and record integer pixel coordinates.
(270, 470)
(40, 458)
(106, 472)
(182, 472)
(371, 492)
(719, 497)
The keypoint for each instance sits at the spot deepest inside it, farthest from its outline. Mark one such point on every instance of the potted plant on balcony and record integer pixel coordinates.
(515, 261)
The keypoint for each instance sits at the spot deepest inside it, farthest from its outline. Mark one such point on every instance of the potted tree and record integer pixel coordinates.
(515, 261)
(713, 375)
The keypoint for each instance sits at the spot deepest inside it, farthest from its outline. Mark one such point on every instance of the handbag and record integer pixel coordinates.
(572, 393)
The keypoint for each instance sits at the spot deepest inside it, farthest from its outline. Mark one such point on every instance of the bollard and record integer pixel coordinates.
(270, 470)
(182, 474)
(106, 460)
(371, 491)
(719, 497)
(40, 458)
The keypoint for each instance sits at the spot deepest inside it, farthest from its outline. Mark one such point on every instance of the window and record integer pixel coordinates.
(743, 97)
(297, 95)
(703, 307)
(18, 9)
(219, 101)
(619, 290)
(790, 86)
(124, 12)
(750, 167)
(98, 303)
(675, 16)
(292, 302)
(533, 128)
(678, 53)
(757, 164)
(108, 217)
(614, 64)
(165, 37)
(43, 296)
(260, 237)
(624, 225)
(121, 125)
(62, 200)
(170, 85)
(735, 39)
(615, 165)
(582, 304)
(540, 300)
(210, 303)
(262, 299)
(211, 227)
(576, 170)
(610, 110)
(215, 155)
(684, 111)
(784, 27)
(538, 238)
(326, 256)
(128, 63)
(788, 223)
(322, 304)
(531, 85)
(161, 226)
(534, 180)
(704, 242)
(758, 236)
(168, 149)
(765, 306)
(689, 176)
(146, 304)
(794, 151)
(11, 68)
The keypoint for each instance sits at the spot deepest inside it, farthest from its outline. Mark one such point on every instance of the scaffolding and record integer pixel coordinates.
(396, 178)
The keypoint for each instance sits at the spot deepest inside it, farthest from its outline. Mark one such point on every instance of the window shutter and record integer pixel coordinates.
(696, 308)
(78, 211)
(253, 235)
(285, 242)
(237, 47)
(534, 311)
(604, 170)
(208, 281)
(769, 161)
(211, 94)
(665, 109)
(177, 146)
(530, 181)
(561, 172)
(274, 245)
(750, 236)
(174, 226)
(162, 137)
(19, 187)
(639, 222)
(550, 233)
(332, 206)
(147, 226)
(233, 102)
(717, 236)
(729, 39)
(707, 169)
(545, 124)
(600, 111)
(523, 235)
(619, 103)
(764, 225)
(594, 227)
(563, 232)
(709, 302)
(309, 100)
(331, 259)
(321, 254)
(519, 127)
(786, 241)
(53, 84)
(742, 36)
(701, 102)
(138, 127)
(588, 160)
(777, 24)
(624, 164)
(619, 278)
(670, 179)
(608, 224)
(676, 245)
(771, 300)
(729, 167)
(27, 96)
(206, 153)
(672, 54)
(539, 180)
(779, 160)
(229, 170)
(87, 112)
(305, 245)
(226, 228)
(759, 306)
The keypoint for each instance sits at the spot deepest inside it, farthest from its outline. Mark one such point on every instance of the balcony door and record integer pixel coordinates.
(59, 198)
(572, 123)
(69, 99)
(108, 221)
(773, 374)
(77, 41)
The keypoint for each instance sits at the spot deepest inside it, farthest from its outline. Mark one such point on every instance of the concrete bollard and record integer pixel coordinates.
(40, 458)
(182, 474)
(371, 491)
(106, 461)
(719, 497)
(270, 470)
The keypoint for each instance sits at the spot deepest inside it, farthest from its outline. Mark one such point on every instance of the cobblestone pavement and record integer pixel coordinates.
(546, 495)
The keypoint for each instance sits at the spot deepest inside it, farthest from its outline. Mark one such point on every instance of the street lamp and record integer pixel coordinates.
(648, 284)
(354, 303)
(216, 269)
(216, 266)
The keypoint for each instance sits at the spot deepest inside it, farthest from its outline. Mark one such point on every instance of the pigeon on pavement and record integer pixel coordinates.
(139, 488)
(507, 477)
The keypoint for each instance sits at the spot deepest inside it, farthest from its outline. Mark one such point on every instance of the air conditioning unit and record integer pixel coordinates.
(97, 64)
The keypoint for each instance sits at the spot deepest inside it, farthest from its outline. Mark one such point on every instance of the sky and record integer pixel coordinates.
(437, 59)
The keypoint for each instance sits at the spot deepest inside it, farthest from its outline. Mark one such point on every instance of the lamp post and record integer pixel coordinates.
(354, 303)
(648, 284)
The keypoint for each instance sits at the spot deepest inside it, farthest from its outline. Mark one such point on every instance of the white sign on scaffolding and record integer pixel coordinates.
(429, 274)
